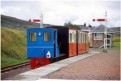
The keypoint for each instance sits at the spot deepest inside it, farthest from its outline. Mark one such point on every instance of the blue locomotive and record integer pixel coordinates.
(46, 45)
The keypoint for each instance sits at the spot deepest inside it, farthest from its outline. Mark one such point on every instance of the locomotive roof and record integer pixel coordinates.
(53, 28)
(40, 28)
(58, 27)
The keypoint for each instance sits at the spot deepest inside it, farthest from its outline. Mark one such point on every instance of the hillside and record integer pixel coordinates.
(13, 46)
(13, 39)
(11, 22)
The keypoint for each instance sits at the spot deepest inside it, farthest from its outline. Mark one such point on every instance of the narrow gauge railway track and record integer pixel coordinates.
(3, 70)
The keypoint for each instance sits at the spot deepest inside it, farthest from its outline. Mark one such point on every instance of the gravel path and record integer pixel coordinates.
(102, 66)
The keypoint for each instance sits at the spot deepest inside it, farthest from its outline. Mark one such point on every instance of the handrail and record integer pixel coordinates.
(42, 50)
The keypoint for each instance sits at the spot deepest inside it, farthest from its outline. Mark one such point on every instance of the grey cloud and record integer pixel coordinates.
(61, 9)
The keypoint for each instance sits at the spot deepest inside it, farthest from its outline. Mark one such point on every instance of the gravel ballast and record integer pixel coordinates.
(102, 66)
(11, 73)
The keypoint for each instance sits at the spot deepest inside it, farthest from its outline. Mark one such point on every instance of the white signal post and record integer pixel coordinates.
(105, 41)
(41, 19)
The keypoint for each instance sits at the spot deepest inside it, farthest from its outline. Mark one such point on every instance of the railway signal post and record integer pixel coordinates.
(41, 18)
(105, 31)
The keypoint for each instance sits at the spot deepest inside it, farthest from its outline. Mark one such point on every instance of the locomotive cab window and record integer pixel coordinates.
(47, 36)
(33, 36)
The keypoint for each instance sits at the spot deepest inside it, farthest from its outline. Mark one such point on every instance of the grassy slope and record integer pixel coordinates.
(13, 46)
(116, 44)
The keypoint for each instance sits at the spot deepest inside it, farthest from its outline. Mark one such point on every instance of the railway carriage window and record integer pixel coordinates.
(84, 37)
(33, 36)
(87, 38)
(46, 36)
(70, 37)
(80, 36)
(74, 37)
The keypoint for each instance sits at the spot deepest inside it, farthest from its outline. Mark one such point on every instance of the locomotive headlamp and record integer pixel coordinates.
(48, 54)
(39, 33)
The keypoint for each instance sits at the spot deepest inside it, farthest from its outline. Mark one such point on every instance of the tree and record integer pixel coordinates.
(84, 24)
(90, 26)
(70, 25)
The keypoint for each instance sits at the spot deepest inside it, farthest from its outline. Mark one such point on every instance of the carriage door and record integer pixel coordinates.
(49, 43)
(56, 47)
(72, 43)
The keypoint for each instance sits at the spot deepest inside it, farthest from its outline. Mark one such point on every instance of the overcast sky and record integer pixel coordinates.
(57, 12)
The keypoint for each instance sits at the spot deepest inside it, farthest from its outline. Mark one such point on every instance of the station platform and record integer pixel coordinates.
(38, 73)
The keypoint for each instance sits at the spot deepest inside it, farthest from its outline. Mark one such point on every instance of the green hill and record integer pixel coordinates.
(13, 39)
(12, 22)
(13, 46)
